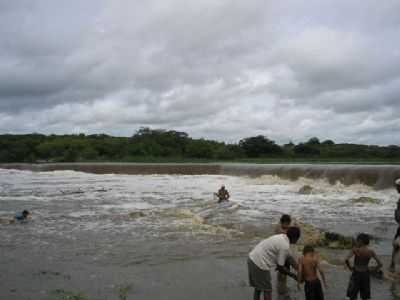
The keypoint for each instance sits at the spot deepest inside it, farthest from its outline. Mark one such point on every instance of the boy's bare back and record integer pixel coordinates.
(310, 262)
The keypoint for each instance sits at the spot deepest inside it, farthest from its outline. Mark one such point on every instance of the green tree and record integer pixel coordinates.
(259, 146)
(305, 150)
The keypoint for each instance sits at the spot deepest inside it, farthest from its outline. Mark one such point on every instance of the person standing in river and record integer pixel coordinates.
(360, 277)
(396, 244)
(222, 194)
(266, 257)
(309, 269)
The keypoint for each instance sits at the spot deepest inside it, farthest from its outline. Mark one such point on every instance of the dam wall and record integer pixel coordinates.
(377, 176)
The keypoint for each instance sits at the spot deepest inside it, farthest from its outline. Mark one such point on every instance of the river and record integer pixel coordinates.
(93, 223)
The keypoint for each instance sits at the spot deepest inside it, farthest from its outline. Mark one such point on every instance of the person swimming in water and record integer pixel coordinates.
(222, 194)
(22, 216)
(19, 217)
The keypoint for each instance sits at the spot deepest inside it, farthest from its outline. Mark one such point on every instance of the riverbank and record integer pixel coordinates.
(210, 277)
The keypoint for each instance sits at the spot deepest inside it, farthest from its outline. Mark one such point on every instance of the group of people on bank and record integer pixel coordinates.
(275, 254)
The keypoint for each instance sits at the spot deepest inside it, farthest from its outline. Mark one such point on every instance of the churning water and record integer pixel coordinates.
(91, 229)
(66, 204)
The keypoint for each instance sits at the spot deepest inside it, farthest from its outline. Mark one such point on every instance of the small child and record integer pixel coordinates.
(360, 276)
(309, 267)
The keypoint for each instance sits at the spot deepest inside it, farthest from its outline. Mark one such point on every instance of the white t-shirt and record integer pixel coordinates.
(271, 252)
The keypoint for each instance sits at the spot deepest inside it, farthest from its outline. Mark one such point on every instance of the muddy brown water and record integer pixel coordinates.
(83, 241)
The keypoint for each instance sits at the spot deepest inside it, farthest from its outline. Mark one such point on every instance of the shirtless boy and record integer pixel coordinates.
(309, 267)
(359, 280)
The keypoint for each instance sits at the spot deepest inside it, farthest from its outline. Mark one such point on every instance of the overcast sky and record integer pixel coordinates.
(224, 70)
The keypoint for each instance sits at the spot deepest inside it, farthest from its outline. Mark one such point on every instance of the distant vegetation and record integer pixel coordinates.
(169, 145)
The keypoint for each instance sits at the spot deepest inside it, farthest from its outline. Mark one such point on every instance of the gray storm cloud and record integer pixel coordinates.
(216, 69)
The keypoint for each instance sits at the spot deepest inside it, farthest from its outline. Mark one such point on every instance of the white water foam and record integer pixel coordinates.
(53, 195)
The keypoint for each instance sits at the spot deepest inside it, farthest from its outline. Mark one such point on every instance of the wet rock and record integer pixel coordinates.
(136, 214)
(306, 190)
(311, 235)
(365, 200)
(335, 240)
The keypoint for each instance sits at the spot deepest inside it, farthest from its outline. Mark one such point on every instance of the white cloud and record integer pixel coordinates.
(223, 70)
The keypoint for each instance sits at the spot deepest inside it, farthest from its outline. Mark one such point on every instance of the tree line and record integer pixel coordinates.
(161, 144)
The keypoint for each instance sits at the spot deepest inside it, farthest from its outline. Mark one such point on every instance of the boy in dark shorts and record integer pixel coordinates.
(309, 267)
(359, 280)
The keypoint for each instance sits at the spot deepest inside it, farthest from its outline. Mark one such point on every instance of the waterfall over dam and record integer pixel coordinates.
(377, 176)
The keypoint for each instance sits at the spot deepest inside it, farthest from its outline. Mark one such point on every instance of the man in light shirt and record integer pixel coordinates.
(270, 255)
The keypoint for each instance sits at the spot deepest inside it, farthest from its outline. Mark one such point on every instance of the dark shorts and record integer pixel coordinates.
(258, 278)
(359, 283)
(313, 290)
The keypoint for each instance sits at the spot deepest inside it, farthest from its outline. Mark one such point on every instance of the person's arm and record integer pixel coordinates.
(396, 249)
(378, 261)
(227, 195)
(300, 272)
(283, 254)
(347, 261)
(322, 273)
(283, 270)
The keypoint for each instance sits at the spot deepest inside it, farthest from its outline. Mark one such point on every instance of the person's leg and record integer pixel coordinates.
(267, 295)
(353, 287)
(392, 263)
(256, 295)
(365, 286)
